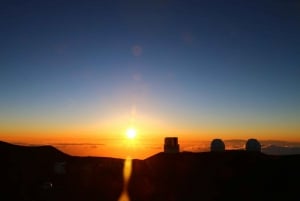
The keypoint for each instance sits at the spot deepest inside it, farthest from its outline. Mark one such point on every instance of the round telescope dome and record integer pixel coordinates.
(253, 145)
(217, 145)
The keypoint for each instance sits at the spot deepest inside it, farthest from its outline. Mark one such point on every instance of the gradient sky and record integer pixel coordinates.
(90, 69)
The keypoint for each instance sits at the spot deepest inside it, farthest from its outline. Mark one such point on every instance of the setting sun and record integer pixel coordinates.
(131, 133)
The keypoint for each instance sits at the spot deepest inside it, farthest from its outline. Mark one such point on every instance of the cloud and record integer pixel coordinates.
(280, 150)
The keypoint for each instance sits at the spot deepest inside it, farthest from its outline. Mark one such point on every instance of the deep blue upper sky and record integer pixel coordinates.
(195, 64)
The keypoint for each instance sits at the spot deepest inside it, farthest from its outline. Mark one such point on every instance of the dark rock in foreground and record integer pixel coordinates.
(44, 173)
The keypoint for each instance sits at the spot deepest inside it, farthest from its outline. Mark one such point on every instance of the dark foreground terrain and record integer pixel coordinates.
(45, 173)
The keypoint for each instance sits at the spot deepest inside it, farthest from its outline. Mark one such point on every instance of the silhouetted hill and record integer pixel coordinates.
(46, 151)
(230, 175)
(45, 173)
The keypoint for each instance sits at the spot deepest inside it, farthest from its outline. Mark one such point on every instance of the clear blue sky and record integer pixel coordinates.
(190, 66)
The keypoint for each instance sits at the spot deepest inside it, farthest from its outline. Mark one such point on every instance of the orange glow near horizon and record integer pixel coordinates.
(144, 134)
(121, 139)
(139, 126)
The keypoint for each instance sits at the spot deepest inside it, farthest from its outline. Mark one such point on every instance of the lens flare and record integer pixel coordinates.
(126, 176)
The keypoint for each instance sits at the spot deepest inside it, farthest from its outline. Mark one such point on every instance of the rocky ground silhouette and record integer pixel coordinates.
(44, 173)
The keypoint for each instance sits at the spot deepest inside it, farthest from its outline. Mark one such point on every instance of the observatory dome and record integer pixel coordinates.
(253, 145)
(217, 145)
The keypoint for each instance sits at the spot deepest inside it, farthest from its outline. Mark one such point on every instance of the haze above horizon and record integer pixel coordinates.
(77, 70)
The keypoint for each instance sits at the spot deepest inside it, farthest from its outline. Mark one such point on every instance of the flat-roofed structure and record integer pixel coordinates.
(171, 145)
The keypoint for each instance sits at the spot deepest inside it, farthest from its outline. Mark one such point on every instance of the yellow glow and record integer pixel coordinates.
(126, 176)
(131, 133)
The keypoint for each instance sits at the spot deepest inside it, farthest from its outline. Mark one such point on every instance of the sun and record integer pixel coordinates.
(131, 133)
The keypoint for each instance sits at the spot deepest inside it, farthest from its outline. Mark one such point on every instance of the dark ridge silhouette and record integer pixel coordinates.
(44, 173)
(30, 173)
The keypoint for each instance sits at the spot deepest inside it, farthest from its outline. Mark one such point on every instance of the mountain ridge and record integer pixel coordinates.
(31, 173)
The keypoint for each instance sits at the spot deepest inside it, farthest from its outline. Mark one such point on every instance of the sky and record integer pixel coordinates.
(88, 70)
